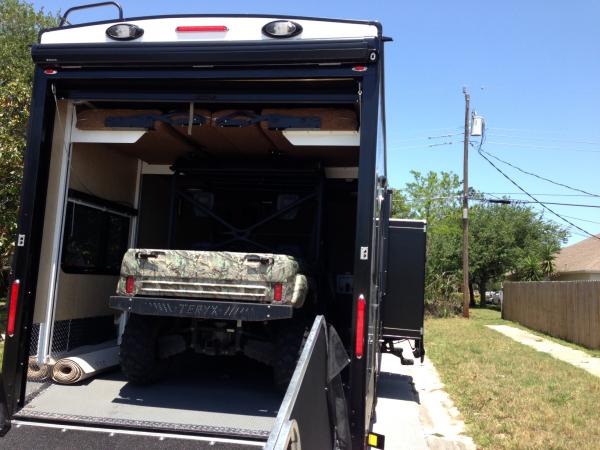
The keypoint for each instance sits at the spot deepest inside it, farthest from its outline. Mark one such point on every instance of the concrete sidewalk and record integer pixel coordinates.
(413, 411)
(569, 355)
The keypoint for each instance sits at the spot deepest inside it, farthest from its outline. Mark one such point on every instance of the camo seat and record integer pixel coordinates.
(253, 277)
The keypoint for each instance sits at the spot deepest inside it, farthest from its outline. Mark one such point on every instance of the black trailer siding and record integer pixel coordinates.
(30, 224)
(358, 51)
(360, 413)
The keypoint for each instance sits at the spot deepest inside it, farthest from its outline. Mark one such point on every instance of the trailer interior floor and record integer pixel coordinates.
(232, 396)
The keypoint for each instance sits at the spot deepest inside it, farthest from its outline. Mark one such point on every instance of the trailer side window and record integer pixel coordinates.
(95, 240)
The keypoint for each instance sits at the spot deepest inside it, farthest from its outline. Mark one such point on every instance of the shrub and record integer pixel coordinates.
(442, 298)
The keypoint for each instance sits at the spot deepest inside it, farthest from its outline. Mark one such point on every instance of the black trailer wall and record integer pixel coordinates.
(26, 257)
(403, 303)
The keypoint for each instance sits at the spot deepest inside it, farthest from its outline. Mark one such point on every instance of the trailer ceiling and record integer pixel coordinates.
(160, 133)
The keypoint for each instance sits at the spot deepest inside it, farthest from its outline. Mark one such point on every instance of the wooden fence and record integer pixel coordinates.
(569, 310)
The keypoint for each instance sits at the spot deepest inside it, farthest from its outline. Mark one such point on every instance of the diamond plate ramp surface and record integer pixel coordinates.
(34, 437)
(217, 396)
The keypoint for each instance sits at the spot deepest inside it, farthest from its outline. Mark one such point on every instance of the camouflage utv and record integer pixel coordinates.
(186, 299)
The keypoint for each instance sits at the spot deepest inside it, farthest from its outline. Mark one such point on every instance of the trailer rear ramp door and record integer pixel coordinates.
(30, 435)
(313, 414)
(214, 396)
(224, 401)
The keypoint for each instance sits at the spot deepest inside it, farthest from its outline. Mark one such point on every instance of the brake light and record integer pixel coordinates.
(129, 284)
(12, 309)
(360, 326)
(277, 292)
(199, 28)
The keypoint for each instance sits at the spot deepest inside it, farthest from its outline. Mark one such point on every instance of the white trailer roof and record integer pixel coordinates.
(239, 29)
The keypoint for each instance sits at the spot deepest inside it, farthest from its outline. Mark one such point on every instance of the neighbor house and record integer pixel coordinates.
(579, 261)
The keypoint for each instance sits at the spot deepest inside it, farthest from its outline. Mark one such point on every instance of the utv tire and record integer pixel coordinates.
(289, 341)
(139, 350)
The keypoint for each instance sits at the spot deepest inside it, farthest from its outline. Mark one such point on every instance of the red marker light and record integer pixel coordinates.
(200, 28)
(50, 71)
(129, 284)
(359, 68)
(12, 309)
(277, 292)
(360, 326)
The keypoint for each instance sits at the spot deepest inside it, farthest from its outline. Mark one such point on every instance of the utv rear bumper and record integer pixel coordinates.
(201, 309)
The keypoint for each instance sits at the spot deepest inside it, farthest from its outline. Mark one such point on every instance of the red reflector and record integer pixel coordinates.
(359, 68)
(360, 326)
(50, 71)
(129, 284)
(12, 309)
(196, 28)
(277, 292)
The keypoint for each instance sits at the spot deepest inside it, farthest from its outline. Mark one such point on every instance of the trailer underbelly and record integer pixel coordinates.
(234, 402)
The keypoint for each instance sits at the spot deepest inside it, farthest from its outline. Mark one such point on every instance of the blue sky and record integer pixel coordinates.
(533, 70)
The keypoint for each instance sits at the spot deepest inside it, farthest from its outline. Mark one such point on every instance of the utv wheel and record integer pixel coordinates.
(139, 350)
(288, 346)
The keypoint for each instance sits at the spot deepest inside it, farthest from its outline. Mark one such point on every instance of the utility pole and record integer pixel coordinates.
(465, 214)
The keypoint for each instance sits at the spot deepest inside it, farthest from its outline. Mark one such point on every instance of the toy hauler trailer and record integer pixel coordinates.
(198, 132)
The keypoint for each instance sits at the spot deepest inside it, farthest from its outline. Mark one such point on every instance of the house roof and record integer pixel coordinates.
(581, 257)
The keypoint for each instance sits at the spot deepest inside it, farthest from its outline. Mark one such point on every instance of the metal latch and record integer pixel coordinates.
(259, 259)
(147, 255)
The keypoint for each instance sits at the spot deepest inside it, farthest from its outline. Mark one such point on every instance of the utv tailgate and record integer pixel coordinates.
(200, 309)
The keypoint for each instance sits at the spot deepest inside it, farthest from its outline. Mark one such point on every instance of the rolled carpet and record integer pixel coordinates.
(36, 371)
(72, 369)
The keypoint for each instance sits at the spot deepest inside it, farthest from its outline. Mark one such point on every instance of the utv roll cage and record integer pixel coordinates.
(306, 182)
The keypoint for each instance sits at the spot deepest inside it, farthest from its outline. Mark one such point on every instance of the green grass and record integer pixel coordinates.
(591, 352)
(510, 395)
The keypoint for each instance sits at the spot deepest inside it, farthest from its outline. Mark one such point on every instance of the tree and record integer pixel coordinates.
(400, 208)
(510, 239)
(547, 256)
(503, 238)
(530, 269)
(20, 24)
(431, 197)
(435, 197)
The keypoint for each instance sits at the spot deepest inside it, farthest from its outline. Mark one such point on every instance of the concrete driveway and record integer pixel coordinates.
(413, 410)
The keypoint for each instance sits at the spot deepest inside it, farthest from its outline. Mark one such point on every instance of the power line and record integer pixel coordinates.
(570, 141)
(577, 233)
(533, 198)
(424, 146)
(583, 220)
(425, 134)
(430, 130)
(525, 202)
(442, 143)
(561, 204)
(444, 136)
(541, 195)
(545, 147)
(420, 138)
(539, 176)
(516, 202)
(519, 130)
